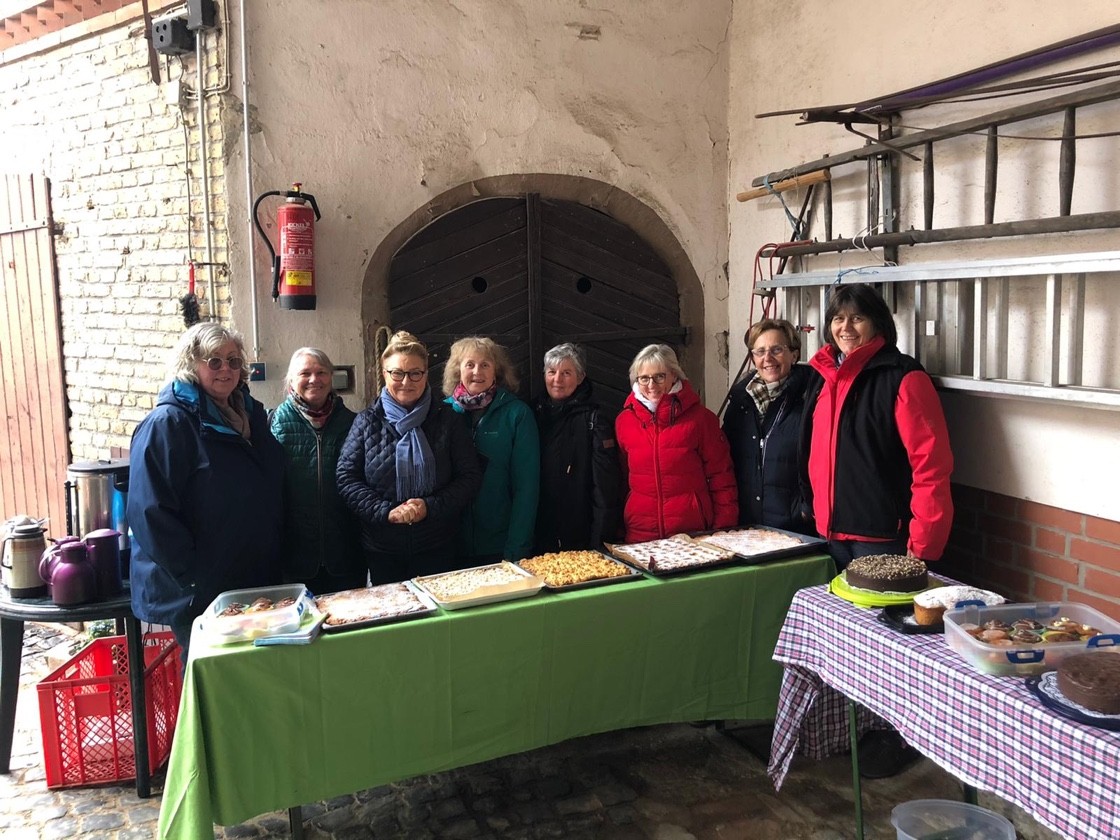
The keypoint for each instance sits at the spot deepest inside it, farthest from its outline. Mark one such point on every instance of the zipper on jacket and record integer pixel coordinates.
(319, 481)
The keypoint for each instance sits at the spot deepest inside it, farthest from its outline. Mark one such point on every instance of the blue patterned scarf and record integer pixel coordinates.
(416, 469)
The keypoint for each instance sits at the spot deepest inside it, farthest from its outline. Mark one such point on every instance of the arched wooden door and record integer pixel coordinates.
(530, 273)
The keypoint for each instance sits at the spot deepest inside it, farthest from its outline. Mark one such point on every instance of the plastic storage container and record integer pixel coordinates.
(1024, 660)
(247, 626)
(85, 711)
(943, 819)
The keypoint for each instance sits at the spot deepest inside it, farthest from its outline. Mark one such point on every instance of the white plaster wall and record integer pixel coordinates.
(378, 106)
(786, 56)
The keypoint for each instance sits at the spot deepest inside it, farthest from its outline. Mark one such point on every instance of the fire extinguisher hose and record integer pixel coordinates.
(268, 242)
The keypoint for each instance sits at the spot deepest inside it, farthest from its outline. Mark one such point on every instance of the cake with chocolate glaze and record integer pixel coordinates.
(1092, 680)
(887, 573)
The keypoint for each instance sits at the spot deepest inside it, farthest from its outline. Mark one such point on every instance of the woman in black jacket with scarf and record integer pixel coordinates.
(580, 497)
(763, 425)
(408, 469)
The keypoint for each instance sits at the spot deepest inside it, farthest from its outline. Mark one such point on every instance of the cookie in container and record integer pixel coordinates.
(1023, 640)
(242, 615)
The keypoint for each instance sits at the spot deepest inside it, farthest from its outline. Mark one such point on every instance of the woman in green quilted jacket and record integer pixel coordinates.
(321, 540)
(500, 523)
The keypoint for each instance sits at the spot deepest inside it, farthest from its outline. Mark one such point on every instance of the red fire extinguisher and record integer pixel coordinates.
(293, 269)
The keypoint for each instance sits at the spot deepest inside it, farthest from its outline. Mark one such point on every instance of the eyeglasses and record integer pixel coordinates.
(762, 352)
(234, 362)
(656, 378)
(412, 375)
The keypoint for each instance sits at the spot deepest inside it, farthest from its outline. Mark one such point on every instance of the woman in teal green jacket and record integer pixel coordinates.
(501, 521)
(321, 543)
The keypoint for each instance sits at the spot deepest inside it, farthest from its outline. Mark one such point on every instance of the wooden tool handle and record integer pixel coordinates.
(787, 184)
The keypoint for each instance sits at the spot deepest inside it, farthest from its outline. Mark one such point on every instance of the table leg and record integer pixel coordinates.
(295, 822)
(853, 734)
(970, 794)
(135, 640)
(11, 655)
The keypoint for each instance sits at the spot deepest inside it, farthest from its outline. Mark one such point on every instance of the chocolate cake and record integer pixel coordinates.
(1092, 680)
(887, 573)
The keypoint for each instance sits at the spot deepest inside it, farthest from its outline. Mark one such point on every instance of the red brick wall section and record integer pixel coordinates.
(1033, 552)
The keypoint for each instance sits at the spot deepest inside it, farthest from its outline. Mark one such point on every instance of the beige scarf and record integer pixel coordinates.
(235, 415)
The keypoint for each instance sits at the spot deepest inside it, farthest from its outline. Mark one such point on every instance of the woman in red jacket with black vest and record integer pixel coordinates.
(675, 457)
(879, 462)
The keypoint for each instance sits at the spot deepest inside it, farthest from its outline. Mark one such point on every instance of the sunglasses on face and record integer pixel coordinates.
(656, 378)
(412, 375)
(215, 363)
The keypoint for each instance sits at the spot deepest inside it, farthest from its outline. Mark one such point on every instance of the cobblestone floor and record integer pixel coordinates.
(673, 782)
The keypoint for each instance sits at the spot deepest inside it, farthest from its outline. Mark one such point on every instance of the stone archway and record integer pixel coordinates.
(597, 195)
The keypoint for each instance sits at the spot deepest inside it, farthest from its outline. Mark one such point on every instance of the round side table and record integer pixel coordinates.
(15, 611)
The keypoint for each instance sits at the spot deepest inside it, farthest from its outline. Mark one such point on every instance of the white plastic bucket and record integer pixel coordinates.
(943, 819)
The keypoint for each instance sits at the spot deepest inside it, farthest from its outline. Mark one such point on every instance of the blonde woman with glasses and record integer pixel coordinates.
(204, 500)
(763, 426)
(674, 456)
(408, 469)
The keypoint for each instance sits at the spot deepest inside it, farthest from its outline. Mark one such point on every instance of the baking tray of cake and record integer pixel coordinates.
(564, 571)
(761, 544)
(479, 585)
(675, 555)
(1045, 688)
(370, 606)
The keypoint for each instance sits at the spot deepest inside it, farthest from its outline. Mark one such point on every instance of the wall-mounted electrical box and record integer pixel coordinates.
(201, 14)
(342, 379)
(170, 36)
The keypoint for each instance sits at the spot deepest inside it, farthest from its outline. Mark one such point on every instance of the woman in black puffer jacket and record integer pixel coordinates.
(408, 469)
(763, 426)
(580, 496)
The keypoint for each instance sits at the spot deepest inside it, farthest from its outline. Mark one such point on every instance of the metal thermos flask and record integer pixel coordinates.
(96, 496)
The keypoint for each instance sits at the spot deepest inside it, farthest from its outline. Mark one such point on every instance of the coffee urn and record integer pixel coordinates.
(96, 494)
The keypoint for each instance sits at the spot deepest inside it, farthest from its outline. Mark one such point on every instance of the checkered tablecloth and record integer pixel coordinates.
(989, 732)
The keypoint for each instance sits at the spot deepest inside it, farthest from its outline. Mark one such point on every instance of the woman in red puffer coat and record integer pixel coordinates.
(674, 456)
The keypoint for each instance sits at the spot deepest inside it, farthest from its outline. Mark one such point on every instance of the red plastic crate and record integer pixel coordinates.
(85, 711)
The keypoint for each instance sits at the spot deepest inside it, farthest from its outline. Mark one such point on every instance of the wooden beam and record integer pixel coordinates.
(784, 185)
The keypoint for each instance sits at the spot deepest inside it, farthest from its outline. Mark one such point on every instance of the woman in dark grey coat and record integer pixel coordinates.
(580, 495)
(763, 426)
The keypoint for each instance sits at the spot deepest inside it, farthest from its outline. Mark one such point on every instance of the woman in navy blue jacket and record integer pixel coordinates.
(408, 470)
(204, 500)
(763, 426)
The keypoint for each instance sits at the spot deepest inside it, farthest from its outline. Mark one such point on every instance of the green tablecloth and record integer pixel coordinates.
(262, 729)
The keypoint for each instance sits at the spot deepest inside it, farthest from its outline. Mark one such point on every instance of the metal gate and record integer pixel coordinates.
(530, 273)
(35, 452)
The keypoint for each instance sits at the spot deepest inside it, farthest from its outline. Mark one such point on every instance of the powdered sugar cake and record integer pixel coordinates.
(671, 554)
(369, 605)
(749, 542)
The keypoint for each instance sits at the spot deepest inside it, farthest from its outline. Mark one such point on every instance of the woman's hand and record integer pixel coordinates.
(419, 508)
(406, 513)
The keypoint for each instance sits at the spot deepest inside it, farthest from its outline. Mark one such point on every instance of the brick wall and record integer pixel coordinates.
(88, 115)
(1033, 552)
